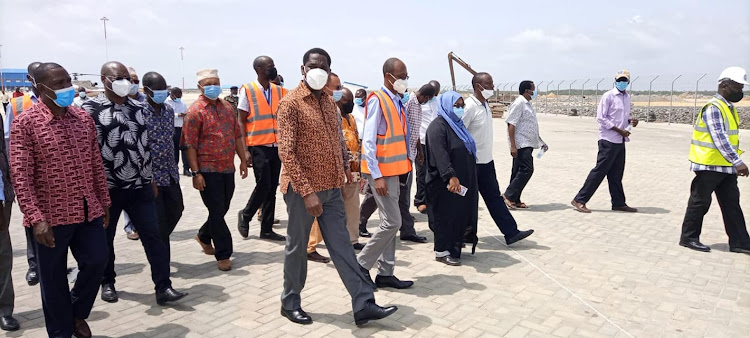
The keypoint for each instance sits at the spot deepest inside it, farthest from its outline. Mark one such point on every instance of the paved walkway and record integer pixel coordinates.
(603, 274)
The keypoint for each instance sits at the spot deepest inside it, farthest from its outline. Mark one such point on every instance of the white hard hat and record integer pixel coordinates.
(736, 74)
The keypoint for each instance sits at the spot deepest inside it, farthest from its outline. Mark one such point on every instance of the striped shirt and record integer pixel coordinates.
(716, 127)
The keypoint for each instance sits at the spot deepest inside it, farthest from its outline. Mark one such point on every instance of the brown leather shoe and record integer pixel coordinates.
(208, 249)
(580, 207)
(224, 264)
(625, 209)
(422, 208)
(316, 257)
(81, 329)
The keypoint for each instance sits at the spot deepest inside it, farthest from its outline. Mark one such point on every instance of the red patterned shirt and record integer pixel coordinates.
(55, 165)
(212, 130)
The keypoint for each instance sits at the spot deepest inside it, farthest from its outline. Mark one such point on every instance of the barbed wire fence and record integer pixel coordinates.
(661, 98)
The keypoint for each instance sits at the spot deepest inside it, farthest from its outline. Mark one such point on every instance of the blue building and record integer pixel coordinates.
(13, 78)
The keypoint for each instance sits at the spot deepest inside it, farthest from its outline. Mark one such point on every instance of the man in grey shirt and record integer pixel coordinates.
(523, 137)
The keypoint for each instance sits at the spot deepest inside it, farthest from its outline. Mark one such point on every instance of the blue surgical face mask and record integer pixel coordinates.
(282, 84)
(621, 85)
(337, 95)
(159, 96)
(65, 96)
(82, 95)
(432, 99)
(211, 92)
(405, 98)
(178, 99)
(458, 111)
(359, 101)
(533, 95)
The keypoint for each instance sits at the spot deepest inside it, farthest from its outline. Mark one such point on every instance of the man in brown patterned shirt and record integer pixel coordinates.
(314, 169)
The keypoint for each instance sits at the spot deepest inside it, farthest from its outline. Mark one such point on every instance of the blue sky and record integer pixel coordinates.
(537, 40)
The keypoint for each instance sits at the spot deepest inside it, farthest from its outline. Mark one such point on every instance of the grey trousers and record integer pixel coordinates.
(333, 228)
(6, 264)
(381, 248)
(368, 207)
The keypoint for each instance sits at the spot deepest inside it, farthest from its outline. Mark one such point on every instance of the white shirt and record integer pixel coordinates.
(78, 101)
(359, 117)
(429, 113)
(522, 115)
(478, 121)
(179, 108)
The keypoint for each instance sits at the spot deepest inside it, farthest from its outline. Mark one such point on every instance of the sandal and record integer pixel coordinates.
(521, 205)
(509, 204)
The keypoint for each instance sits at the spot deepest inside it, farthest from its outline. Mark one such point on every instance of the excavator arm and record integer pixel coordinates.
(453, 57)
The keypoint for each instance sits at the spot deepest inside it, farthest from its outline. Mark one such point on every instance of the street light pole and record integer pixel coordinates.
(106, 48)
(182, 66)
(2, 79)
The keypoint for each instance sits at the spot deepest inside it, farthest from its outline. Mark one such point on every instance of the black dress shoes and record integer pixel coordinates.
(448, 260)
(695, 245)
(358, 246)
(740, 249)
(392, 282)
(365, 233)
(273, 236)
(243, 224)
(414, 238)
(519, 236)
(81, 329)
(372, 312)
(109, 294)
(32, 277)
(298, 316)
(8, 323)
(169, 295)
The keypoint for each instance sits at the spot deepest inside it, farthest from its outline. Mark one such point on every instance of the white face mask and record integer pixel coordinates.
(121, 87)
(487, 93)
(316, 78)
(400, 85)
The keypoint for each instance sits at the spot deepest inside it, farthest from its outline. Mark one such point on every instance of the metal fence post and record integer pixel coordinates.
(596, 96)
(583, 97)
(510, 95)
(648, 108)
(546, 100)
(671, 98)
(505, 85)
(695, 101)
(558, 96)
(570, 93)
(537, 86)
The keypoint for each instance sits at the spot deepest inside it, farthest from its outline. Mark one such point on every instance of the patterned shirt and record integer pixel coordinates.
(353, 143)
(414, 118)
(522, 115)
(56, 166)
(716, 127)
(160, 132)
(123, 139)
(211, 128)
(232, 101)
(310, 135)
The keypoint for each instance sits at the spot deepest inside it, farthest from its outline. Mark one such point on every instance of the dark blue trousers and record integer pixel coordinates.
(87, 242)
(490, 191)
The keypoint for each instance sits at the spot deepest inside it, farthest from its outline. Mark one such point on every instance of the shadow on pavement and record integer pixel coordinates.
(441, 285)
(652, 210)
(164, 330)
(394, 323)
(490, 243)
(239, 260)
(129, 268)
(485, 261)
(546, 207)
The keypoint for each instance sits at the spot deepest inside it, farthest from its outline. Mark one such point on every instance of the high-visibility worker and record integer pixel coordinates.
(257, 107)
(715, 159)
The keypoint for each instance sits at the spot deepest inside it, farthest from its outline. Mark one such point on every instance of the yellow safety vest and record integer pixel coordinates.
(702, 147)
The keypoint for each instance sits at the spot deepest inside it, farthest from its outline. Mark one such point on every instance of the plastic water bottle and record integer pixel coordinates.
(540, 153)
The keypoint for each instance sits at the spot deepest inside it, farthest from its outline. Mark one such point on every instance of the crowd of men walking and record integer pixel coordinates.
(75, 164)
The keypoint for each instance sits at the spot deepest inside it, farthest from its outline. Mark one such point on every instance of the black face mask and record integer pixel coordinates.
(736, 97)
(347, 107)
(271, 73)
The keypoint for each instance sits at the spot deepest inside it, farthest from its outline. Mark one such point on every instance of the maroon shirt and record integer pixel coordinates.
(211, 129)
(56, 164)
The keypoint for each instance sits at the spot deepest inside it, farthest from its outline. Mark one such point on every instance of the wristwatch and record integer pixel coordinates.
(194, 173)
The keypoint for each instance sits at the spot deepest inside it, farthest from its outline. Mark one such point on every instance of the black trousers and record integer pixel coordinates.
(169, 207)
(610, 162)
(523, 169)
(267, 167)
(30, 248)
(490, 191)
(7, 296)
(368, 207)
(419, 196)
(88, 243)
(216, 196)
(140, 206)
(728, 195)
(178, 149)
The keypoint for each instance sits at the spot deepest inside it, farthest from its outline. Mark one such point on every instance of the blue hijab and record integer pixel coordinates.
(445, 109)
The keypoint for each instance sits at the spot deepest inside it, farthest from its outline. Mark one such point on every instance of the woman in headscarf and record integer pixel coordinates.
(451, 167)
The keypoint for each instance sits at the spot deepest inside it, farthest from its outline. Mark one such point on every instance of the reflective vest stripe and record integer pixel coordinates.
(705, 130)
(261, 132)
(709, 145)
(389, 140)
(392, 159)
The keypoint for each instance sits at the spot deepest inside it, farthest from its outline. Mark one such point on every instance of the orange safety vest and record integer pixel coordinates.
(260, 127)
(19, 104)
(391, 147)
